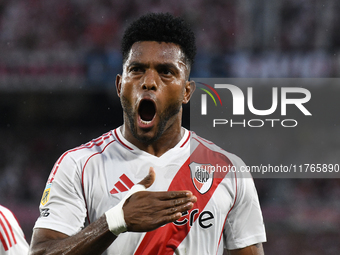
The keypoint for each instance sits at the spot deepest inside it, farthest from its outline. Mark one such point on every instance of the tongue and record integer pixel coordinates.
(147, 110)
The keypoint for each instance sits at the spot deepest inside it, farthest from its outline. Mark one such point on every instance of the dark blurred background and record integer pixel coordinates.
(59, 59)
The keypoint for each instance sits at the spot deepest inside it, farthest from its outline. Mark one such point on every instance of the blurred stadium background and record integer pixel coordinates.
(58, 61)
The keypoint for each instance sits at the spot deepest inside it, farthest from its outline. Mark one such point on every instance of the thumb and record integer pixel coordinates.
(149, 179)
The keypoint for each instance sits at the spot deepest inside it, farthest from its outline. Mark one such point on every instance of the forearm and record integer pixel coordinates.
(94, 239)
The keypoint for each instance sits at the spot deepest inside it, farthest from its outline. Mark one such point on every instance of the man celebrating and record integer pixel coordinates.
(85, 208)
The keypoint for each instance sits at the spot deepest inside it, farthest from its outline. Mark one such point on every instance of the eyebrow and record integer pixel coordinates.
(135, 63)
(158, 66)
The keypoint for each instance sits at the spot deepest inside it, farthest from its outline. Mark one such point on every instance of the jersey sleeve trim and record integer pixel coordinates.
(251, 240)
(59, 227)
(96, 142)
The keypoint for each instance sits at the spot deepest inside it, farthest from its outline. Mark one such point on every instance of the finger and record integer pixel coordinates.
(178, 203)
(171, 195)
(172, 217)
(172, 206)
(149, 179)
(175, 213)
(180, 209)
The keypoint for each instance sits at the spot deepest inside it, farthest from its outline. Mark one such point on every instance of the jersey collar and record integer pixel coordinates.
(129, 146)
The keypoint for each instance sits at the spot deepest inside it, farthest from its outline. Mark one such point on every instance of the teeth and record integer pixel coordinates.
(145, 122)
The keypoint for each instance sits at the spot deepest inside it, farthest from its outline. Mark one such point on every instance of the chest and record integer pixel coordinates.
(106, 181)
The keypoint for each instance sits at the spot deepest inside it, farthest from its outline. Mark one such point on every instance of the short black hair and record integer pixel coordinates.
(160, 27)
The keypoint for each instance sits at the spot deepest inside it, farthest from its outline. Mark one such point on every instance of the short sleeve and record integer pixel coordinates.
(12, 239)
(244, 224)
(62, 206)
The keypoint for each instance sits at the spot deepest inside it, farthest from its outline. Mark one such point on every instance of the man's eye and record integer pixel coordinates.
(135, 69)
(166, 72)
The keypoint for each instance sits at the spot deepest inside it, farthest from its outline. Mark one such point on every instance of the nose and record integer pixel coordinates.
(150, 80)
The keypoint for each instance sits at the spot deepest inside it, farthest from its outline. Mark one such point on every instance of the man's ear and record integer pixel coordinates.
(190, 87)
(118, 84)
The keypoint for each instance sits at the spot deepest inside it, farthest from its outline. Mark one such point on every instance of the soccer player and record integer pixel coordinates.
(91, 204)
(12, 239)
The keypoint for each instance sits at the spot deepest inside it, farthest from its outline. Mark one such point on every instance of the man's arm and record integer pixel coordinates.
(143, 211)
(94, 239)
(255, 249)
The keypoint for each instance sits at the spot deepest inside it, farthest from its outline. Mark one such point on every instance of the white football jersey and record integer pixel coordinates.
(12, 239)
(89, 180)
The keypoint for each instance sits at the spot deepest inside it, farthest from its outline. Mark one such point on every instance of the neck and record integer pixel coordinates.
(169, 138)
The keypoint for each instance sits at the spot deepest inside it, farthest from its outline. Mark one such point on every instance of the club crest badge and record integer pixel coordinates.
(201, 176)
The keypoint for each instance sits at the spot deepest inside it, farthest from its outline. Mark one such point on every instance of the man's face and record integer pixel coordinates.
(152, 88)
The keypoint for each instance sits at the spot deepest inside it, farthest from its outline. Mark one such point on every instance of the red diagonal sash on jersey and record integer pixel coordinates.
(166, 239)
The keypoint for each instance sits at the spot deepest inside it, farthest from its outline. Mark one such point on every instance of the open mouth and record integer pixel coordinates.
(146, 111)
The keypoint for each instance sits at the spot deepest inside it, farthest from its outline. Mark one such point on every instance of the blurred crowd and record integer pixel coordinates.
(221, 26)
(41, 41)
(70, 44)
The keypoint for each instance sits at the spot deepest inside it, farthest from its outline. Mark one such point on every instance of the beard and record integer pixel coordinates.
(172, 110)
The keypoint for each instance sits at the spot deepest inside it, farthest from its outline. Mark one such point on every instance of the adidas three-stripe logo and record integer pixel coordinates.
(124, 184)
